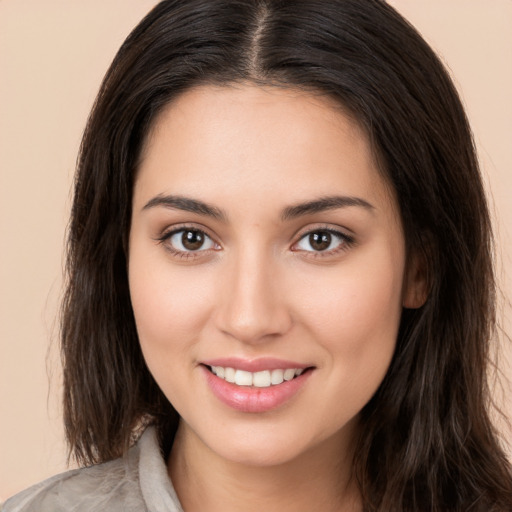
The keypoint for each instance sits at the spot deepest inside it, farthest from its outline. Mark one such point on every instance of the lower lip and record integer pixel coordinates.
(253, 399)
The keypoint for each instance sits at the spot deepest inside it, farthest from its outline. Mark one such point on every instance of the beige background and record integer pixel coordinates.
(53, 54)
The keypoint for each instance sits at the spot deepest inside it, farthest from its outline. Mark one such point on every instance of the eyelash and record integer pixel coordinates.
(165, 238)
(344, 242)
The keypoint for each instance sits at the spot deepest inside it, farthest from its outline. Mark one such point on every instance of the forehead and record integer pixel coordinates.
(259, 142)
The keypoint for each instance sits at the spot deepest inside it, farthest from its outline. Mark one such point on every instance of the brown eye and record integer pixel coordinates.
(323, 240)
(190, 240)
(320, 241)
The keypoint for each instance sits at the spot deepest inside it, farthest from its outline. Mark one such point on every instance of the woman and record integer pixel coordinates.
(280, 271)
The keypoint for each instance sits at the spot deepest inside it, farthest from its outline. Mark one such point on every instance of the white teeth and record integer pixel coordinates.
(262, 379)
(289, 373)
(277, 377)
(229, 374)
(243, 378)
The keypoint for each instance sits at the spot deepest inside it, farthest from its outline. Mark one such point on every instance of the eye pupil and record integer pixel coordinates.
(192, 240)
(320, 240)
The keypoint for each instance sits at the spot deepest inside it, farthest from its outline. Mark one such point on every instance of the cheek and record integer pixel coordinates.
(170, 305)
(354, 312)
(355, 319)
(171, 308)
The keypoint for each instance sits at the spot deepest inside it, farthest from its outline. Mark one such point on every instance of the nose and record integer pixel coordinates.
(252, 305)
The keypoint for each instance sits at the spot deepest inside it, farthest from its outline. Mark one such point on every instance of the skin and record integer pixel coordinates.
(258, 288)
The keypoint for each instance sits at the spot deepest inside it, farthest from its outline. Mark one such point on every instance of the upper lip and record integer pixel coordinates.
(254, 365)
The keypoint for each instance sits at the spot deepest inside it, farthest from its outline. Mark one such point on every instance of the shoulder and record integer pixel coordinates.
(137, 482)
(112, 486)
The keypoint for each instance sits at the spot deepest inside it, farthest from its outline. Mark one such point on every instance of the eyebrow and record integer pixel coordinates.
(186, 204)
(291, 212)
(323, 204)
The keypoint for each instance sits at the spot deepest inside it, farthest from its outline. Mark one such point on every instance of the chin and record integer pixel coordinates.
(267, 445)
(266, 454)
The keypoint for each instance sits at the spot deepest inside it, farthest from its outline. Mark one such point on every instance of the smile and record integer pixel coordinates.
(261, 379)
(255, 386)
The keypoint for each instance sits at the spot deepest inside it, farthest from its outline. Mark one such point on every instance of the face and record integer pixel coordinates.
(267, 270)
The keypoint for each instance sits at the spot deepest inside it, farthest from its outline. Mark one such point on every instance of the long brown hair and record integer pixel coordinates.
(426, 442)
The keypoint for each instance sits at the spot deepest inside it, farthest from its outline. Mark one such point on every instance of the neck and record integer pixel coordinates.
(319, 479)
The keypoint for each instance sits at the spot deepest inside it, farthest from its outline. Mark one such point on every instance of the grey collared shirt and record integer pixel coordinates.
(137, 482)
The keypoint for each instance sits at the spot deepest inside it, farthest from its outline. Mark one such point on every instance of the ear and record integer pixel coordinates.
(416, 283)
